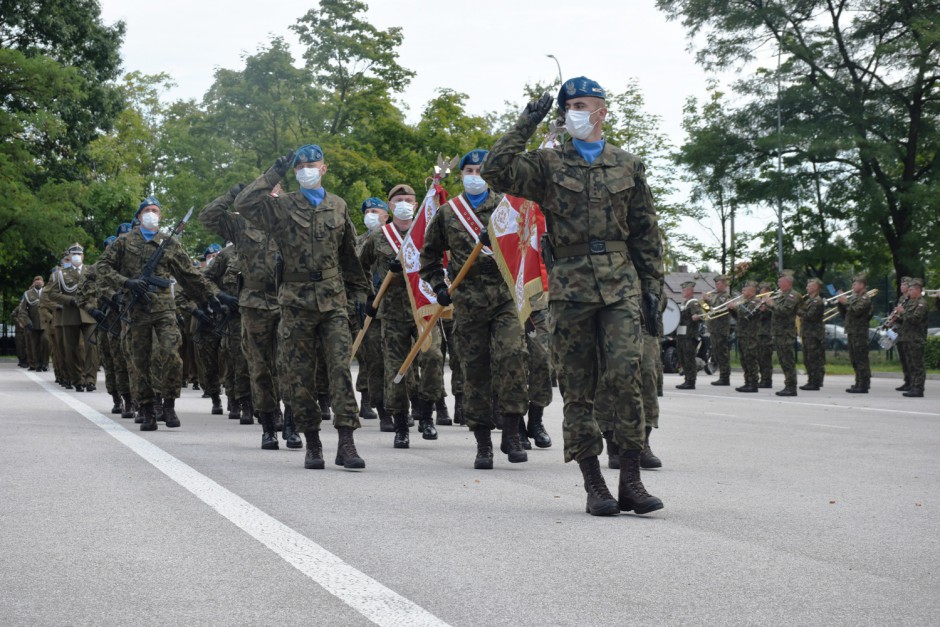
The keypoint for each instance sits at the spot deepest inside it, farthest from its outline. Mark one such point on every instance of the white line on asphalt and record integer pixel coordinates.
(827, 405)
(714, 413)
(816, 424)
(367, 596)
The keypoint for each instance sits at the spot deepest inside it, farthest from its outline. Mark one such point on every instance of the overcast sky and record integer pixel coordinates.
(488, 49)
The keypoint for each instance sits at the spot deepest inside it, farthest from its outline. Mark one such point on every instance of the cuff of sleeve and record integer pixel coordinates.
(271, 177)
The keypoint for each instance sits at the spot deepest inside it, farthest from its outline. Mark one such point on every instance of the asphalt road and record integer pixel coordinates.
(821, 509)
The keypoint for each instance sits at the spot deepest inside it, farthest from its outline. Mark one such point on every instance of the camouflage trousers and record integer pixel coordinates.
(493, 361)
(914, 354)
(153, 340)
(80, 357)
(371, 377)
(721, 349)
(259, 342)
(814, 358)
(237, 380)
(765, 357)
(785, 345)
(688, 346)
(649, 375)
(858, 355)
(300, 335)
(540, 362)
(112, 360)
(428, 367)
(207, 347)
(903, 351)
(605, 398)
(450, 351)
(749, 348)
(597, 346)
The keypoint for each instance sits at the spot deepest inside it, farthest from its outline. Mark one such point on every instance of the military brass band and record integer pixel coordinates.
(270, 317)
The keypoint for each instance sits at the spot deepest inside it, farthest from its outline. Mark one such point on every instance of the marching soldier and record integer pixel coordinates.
(603, 229)
(746, 314)
(856, 309)
(720, 330)
(317, 242)
(370, 382)
(912, 316)
(539, 372)
(492, 344)
(22, 350)
(902, 348)
(208, 346)
(32, 320)
(813, 334)
(688, 334)
(153, 335)
(765, 340)
(80, 358)
(783, 307)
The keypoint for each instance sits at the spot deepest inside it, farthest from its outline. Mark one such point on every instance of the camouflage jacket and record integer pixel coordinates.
(63, 291)
(375, 278)
(317, 244)
(812, 309)
(257, 252)
(606, 202)
(692, 327)
(913, 321)
(375, 255)
(483, 286)
(783, 308)
(126, 257)
(224, 270)
(722, 324)
(748, 319)
(857, 312)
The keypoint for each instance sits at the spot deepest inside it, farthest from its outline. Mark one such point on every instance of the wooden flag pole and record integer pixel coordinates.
(375, 305)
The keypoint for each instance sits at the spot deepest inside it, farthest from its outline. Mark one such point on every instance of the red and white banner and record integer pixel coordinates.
(515, 229)
(423, 300)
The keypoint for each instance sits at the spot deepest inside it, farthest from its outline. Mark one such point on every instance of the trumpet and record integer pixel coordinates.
(833, 299)
(832, 312)
(708, 309)
(723, 309)
(932, 293)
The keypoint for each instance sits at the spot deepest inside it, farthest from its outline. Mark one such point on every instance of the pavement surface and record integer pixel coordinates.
(822, 509)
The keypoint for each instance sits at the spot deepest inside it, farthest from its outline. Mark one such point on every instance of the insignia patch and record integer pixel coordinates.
(570, 88)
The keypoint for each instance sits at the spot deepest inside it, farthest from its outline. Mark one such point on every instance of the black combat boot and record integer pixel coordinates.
(425, 420)
(613, 451)
(458, 410)
(128, 411)
(314, 457)
(443, 415)
(810, 386)
(279, 416)
(632, 495)
(536, 429)
(511, 445)
(149, 420)
(484, 458)
(648, 458)
(524, 435)
(765, 384)
(216, 404)
(913, 393)
(268, 434)
(905, 387)
(856, 390)
(402, 440)
(365, 410)
(158, 408)
(195, 385)
(90, 387)
(169, 413)
(722, 381)
(786, 392)
(746, 388)
(138, 414)
(290, 430)
(346, 454)
(686, 385)
(234, 408)
(323, 400)
(385, 420)
(246, 415)
(117, 408)
(600, 502)
(79, 387)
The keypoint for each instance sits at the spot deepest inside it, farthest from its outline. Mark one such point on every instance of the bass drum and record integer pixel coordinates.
(670, 317)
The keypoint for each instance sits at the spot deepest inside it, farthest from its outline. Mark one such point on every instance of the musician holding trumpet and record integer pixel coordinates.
(687, 334)
(912, 335)
(783, 305)
(719, 327)
(813, 334)
(856, 309)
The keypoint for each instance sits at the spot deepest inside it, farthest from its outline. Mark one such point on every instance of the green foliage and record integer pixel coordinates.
(932, 353)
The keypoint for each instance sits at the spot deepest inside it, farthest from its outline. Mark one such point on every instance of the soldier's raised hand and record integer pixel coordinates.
(536, 110)
(283, 164)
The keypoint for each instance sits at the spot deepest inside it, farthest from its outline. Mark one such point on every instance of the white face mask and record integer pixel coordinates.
(578, 123)
(473, 184)
(76, 260)
(371, 221)
(309, 178)
(150, 221)
(404, 210)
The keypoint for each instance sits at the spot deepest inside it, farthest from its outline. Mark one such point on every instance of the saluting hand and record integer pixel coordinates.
(283, 164)
(536, 110)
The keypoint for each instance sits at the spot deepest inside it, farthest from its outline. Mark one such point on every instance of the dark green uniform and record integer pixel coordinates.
(857, 312)
(813, 334)
(913, 336)
(784, 306)
(224, 273)
(31, 319)
(687, 336)
(765, 343)
(747, 333)
(720, 331)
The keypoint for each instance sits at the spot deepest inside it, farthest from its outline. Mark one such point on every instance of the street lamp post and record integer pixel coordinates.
(560, 78)
(779, 167)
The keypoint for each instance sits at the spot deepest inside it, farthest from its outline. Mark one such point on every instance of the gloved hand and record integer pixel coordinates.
(236, 189)
(650, 313)
(283, 164)
(369, 310)
(536, 110)
(180, 320)
(395, 267)
(202, 316)
(485, 238)
(443, 298)
(138, 287)
(73, 302)
(98, 315)
(529, 327)
(213, 304)
(227, 299)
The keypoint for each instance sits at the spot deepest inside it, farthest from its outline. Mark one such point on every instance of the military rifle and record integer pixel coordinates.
(107, 306)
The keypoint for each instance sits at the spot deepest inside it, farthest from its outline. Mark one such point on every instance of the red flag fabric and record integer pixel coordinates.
(515, 229)
(423, 300)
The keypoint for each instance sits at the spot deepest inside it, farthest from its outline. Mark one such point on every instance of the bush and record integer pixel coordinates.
(932, 353)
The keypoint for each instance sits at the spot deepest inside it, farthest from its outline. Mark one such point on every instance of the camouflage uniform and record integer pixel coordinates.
(317, 245)
(539, 349)
(813, 334)
(913, 336)
(603, 228)
(153, 335)
(371, 378)
(765, 342)
(688, 337)
(94, 294)
(492, 348)
(784, 307)
(902, 348)
(857, 312)
(224, 273)
(747, 329)
(720, 330)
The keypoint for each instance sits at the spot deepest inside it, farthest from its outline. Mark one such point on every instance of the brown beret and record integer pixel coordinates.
(401, 189)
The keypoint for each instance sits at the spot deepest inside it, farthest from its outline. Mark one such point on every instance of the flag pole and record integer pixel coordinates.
(368, 321)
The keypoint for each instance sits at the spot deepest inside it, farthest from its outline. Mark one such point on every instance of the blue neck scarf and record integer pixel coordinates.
(477, 199)
(589, 151)
(314, 196)
(147, 235)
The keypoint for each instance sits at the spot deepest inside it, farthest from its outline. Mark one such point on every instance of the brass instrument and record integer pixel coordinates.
(832, 312)
(723, 309)
(932, 293)
(833, 299)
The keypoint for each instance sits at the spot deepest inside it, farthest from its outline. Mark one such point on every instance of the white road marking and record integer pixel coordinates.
(750, 398)
(715, 413)
(367, 596)
(816, 424)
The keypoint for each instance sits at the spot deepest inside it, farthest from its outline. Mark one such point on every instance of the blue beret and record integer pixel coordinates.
(109, 240)
(474, 157)
(146, 202)
(579, 87)
(307, 154)
(212, 248)
(124, 227)
(373, 203)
